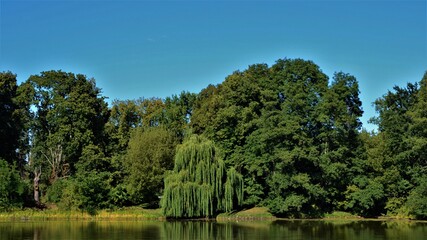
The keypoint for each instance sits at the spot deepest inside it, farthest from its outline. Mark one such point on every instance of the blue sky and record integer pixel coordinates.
(158, 48)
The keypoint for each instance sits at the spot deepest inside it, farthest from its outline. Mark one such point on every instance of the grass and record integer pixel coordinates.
(262, 213)
(256, 213)
(340, 215)
(139, 213)
(133, 213)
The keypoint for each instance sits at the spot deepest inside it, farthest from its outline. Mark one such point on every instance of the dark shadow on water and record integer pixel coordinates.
(279, 229)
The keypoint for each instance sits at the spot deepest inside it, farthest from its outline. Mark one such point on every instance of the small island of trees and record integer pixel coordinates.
(285, 137)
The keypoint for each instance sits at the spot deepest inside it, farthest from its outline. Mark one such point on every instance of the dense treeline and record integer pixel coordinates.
(283, 136)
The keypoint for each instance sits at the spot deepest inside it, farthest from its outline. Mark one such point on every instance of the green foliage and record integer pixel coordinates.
(416, 154)
(92, 191)
(289, 133)
(124, 117)
(285, 129)
(178, 112)
(93, 159)
(119, 196)
(69, 199)
(9, 134)
(200, 185)
(364, 197)
(206, 105)
(87, 192)
(399, 152)
(11, 187)
(70, 115)
(55, 192)
(14, 117)
(150, 154)
(417, 200)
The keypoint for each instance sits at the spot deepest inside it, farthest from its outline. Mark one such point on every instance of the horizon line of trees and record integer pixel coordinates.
(283, 136)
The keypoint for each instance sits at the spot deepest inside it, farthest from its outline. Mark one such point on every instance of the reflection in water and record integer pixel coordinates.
(281, 229)
(36, 234)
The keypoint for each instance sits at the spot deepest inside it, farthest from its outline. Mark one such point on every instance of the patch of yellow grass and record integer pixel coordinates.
(256, 213)
(133, 213)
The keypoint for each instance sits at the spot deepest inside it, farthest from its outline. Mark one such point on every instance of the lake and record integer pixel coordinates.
(279, 229)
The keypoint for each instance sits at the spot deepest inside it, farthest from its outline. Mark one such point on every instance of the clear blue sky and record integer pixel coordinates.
(158, 48)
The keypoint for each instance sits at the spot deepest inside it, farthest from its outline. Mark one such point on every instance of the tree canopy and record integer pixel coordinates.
(286, 136)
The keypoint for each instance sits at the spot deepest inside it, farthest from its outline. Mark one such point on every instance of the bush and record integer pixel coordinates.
(417, 200)
(11, 187)
(87, 191)
(55, 191)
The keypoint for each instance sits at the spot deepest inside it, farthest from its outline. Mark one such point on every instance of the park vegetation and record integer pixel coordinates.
(285, 137)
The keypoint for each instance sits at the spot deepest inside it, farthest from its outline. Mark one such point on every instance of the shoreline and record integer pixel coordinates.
(133, 213)
(257, 214)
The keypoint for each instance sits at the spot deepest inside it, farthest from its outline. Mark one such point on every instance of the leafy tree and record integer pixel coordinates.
(173, 113)
(417, 140)
(400, 154)
(228, 113)
(267, 122)
(151, 111)
(55, 192)
(87, 191)
(9, 132)
(200, 185)
(92, 191)
(133, 144)
(294, 138)
(343, 157)
(69, 115)
(416, 161)
(394, 122)
(124, 117)
(14, 118)
(206, 105)
(93, 159)
(293, 184)
(149, 156)
(363, 195)
(178, 112)
(417, 200)
(12, 188)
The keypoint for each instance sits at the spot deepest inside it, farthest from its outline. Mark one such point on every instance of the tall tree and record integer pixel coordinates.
(339, 143)
(200, 185)
(149, 156)
(9, 132)
(418, 128)
(70, 113)
(11, 187)
(123, 118)
(285, 129)
(206, 105)
(292, 179)
(14, 119)
(415, 156)
(178, 112)
(394, 122)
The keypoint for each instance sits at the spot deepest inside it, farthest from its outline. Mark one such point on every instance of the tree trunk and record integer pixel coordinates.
(36, 186)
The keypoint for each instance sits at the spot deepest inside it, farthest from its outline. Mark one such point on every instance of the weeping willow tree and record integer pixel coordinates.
(200, 185)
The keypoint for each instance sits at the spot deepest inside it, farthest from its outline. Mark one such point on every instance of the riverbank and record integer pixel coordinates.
(138, 213)
(133, 213)
(256, 213)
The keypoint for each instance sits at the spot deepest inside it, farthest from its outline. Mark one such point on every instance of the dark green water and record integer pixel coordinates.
(122, 230)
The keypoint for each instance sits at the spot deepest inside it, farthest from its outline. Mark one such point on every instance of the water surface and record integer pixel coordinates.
(280, 229)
